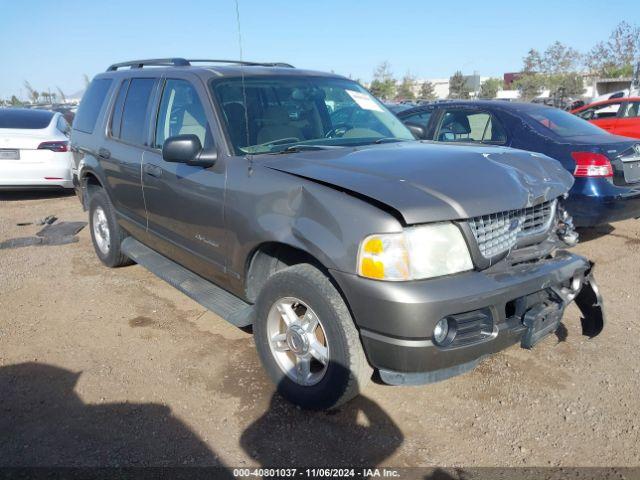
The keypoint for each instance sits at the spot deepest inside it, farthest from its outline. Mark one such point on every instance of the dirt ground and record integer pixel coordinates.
(115, 367)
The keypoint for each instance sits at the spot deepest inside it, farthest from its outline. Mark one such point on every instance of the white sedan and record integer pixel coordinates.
(34, 150)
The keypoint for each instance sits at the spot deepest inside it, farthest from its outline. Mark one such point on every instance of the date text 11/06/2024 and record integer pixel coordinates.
(316, 472)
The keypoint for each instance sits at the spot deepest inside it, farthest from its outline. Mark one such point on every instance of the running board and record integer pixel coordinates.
(219, 301)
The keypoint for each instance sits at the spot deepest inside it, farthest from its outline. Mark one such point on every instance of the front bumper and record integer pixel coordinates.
(396, 319)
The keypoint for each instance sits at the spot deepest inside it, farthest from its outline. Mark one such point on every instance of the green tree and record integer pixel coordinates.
(615, 57)
(406, 90)
(489, 88)
(532, 62)
(15, 101)
(569, 83)
(383, 85)
(458, 86)
(427, 91)
(529, 85)
(559, 59)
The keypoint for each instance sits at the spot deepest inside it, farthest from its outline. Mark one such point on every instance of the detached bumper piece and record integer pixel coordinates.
(589, 301)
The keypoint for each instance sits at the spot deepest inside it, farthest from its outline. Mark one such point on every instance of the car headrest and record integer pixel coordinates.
(276, 115)
(458, 123)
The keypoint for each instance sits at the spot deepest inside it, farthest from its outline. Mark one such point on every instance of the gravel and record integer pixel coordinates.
(115, 367)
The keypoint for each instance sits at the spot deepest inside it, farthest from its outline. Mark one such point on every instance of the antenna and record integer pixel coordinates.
(244, 89)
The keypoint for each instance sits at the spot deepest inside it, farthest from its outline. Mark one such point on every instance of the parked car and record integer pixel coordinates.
(34, 150)
(398, 107)
(606, 167)
(620, 116)
(348, 246)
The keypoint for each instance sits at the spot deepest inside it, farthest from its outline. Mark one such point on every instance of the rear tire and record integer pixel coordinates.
(301, 319)
(106, 234)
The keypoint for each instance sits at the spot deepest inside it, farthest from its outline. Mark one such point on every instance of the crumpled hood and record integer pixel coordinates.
(429, 182)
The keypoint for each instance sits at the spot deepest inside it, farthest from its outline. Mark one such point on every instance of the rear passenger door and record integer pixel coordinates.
(185, 202)
(121, 155)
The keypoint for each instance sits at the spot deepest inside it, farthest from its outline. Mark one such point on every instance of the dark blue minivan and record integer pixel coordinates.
(606, 167)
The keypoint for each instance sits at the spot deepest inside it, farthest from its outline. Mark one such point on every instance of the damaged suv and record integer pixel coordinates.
(295, 202)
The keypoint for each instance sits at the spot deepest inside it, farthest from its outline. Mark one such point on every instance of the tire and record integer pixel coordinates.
(106, 234)
(309, 294)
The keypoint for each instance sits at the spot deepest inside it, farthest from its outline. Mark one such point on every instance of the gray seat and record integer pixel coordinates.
(277, 126)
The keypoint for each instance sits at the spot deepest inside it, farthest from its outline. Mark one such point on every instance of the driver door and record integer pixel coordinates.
(185, 202)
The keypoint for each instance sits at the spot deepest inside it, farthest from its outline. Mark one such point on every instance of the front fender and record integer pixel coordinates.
(268, 206)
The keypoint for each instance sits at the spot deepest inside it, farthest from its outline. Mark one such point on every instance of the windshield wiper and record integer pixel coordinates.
(390, 140)
(303, 147)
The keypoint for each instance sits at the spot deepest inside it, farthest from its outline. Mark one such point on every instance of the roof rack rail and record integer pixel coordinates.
(155, 62)
(181, 62)
(245, 63)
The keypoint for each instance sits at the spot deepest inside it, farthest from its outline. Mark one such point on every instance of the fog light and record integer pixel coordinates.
(441, 331)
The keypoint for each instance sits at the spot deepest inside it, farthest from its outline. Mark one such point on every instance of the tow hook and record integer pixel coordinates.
(589, 301)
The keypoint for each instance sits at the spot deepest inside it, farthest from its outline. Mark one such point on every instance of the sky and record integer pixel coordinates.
(53, 43)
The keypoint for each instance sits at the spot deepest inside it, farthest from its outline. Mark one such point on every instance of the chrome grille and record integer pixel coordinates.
(498, 232)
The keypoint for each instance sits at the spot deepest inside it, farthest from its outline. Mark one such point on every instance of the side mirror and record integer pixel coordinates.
(188, 149)
(417, 130)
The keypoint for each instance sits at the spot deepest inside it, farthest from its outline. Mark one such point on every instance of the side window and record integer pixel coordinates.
(600, 111)
(181, 112)
(63, 126)
(421, 118)
(631, 109)
(463, 126)
(134, 114)
(91, 104)
(116, 117)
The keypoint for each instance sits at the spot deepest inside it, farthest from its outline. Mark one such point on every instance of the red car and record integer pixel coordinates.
(620, 116)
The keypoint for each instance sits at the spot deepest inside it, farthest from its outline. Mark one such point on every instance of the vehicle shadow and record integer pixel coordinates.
(45, 423)
(588, 234)
(358, 433)
(18, 195)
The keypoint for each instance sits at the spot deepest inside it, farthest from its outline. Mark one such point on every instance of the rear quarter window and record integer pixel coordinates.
(91, 105)
(561, 123)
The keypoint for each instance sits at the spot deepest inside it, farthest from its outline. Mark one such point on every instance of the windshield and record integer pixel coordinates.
(562, 123)
(288, 111)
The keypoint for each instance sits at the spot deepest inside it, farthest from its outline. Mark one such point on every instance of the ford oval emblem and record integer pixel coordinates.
(515, 223)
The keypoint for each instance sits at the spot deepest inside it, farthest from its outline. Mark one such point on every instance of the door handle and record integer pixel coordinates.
(104, 153)
(152, 170)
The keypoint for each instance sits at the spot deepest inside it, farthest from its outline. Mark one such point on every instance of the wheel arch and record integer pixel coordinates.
(88, 181)
(270, 257)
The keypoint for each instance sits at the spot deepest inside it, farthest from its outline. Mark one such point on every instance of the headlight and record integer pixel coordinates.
(416, 253)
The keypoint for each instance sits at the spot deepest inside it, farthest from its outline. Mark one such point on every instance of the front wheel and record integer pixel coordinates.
(307, 341)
